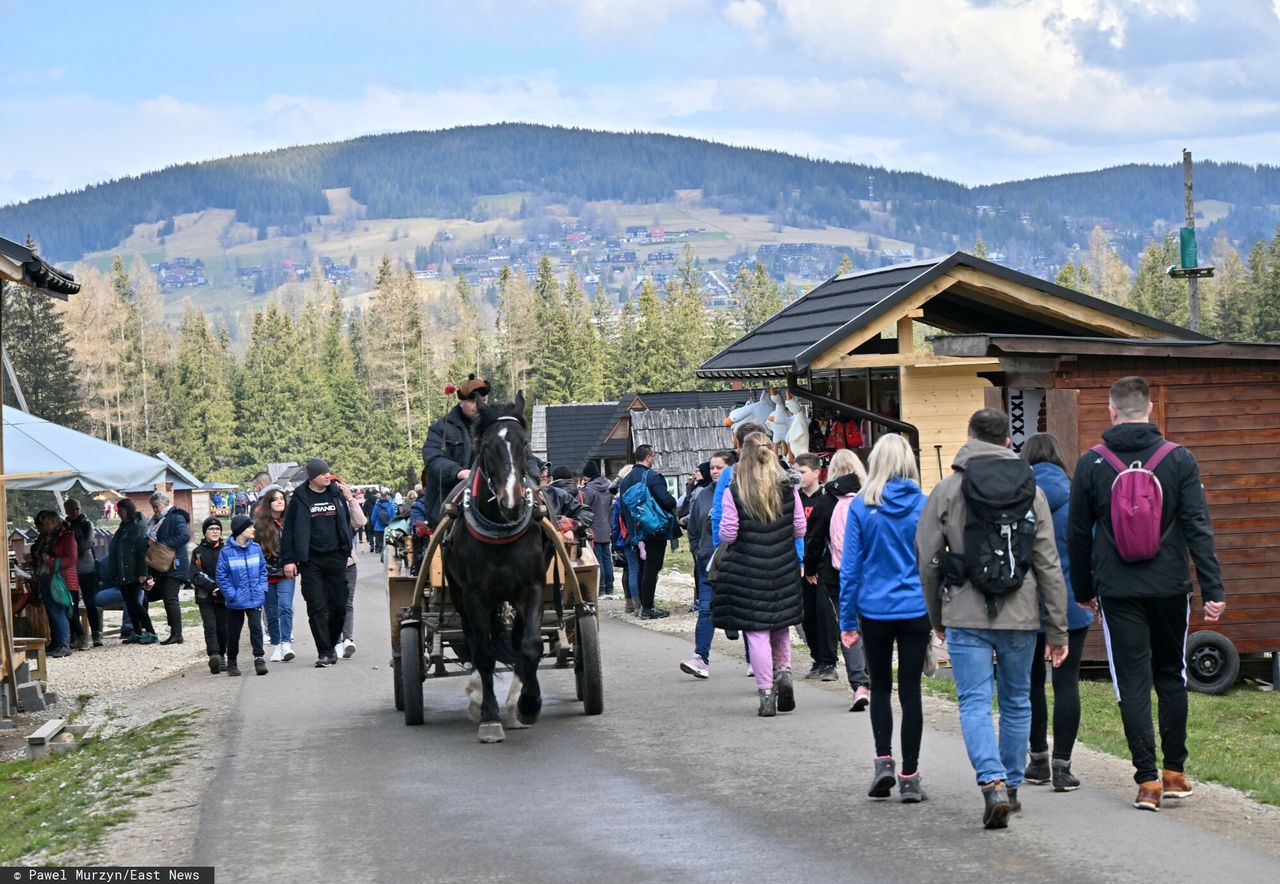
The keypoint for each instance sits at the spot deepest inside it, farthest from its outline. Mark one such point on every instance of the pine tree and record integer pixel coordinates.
(1264, 290)
(980, 249)
(1109, 278)
(623, 374)
(154, 353)
(653, 366)
(689, 331)
(1225, 304)
(96, 322)
(846, 265)
(553, 369)
(759, 295)
(587, 345)
(1154, 293)
(203, 434)
(275, 409)
(394, 348)
(516, 330)
(38, 346)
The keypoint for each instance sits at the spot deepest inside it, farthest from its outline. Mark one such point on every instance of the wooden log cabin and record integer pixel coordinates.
(917, 348)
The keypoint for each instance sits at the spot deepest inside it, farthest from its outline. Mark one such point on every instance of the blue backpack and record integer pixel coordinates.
(650, 519)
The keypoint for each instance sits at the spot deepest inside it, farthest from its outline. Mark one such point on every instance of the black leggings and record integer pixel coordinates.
(89, 592)
(912, 637)
(135, 603)
(1066, 697)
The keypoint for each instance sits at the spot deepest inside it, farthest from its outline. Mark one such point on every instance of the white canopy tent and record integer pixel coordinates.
(42, 456)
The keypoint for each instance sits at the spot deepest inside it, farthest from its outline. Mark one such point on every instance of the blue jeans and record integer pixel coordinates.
(971, 651)
(604, 555)
(703, 632)
(632, 554)
(279, 609)
(59, 625)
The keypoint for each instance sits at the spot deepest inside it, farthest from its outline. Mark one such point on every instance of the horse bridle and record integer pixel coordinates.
(485, 529)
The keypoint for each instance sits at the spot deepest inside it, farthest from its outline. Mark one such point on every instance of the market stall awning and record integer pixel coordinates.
(42, 456)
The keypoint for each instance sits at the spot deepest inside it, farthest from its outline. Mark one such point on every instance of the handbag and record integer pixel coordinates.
(713, 563)
(59, 594)
(160, 557)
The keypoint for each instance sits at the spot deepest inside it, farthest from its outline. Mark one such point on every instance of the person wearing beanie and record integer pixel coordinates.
(242, 581)
(596, 497)
(316, 544)
(204, 576)
(447, 454)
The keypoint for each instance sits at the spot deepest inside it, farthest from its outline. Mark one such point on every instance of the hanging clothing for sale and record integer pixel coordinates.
(835, 436)
(853, 434)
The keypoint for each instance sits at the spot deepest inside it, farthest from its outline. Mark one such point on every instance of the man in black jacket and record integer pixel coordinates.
(315, 544)
(655, 547)
(1145, 605)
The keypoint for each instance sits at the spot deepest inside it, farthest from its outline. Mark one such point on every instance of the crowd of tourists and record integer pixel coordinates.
(1012, 558)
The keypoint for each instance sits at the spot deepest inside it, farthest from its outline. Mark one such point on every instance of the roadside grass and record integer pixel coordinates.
(1231, 738)
(70, 800)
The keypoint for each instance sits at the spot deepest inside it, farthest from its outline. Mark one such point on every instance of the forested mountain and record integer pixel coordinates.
(443, 173)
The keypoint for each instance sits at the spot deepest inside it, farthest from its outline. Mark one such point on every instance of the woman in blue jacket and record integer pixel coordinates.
(1044, 453)
(242, 579)
(881, 603)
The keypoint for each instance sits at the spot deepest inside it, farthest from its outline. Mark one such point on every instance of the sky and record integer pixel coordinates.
(975, 91)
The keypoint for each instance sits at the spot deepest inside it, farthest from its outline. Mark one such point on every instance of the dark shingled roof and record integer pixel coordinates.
(791, 338)
(574, 430)
(37, 273)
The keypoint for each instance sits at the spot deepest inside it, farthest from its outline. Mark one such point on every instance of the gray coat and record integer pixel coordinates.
(941, 529)
(596, 495)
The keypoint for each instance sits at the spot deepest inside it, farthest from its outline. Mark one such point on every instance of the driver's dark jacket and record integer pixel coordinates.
(449, 449)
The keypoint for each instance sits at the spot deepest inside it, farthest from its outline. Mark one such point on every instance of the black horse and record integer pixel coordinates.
(497, 554)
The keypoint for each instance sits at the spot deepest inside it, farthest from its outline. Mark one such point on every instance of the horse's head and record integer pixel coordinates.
(502, 446)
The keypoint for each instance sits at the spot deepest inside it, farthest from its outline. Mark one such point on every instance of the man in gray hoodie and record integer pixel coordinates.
(595, 494)
(976, 625)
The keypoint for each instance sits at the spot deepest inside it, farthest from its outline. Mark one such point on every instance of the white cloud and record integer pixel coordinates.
(750, 14)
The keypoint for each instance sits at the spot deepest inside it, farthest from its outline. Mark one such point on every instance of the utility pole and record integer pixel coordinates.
(1193, 284)
(1188, 267)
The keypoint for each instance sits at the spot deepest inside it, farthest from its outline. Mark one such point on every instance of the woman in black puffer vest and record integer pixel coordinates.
(758, 580)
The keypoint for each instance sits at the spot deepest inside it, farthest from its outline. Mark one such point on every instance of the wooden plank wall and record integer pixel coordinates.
(1228, 413)
(939, 400)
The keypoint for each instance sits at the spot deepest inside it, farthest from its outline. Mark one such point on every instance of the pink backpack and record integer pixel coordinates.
(1137, 503)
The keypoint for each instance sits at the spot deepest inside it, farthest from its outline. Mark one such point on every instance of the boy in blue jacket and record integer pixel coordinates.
(242, 578)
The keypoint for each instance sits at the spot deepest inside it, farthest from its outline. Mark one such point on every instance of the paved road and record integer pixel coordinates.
(677, 781)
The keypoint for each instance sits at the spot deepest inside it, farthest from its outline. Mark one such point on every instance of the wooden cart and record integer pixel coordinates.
(426, 637)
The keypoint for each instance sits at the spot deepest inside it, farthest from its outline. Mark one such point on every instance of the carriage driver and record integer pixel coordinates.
(448, 452)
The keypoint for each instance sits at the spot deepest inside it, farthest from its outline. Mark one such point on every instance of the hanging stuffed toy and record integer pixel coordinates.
(779, 421)
(798, 434)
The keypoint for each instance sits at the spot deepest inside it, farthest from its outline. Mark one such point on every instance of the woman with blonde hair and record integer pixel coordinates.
(881, 603)
(757, 588)
(268, 524)
(822, 548)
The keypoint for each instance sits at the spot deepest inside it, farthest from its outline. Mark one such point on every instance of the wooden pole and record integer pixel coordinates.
(7, 667)
(1193, 284)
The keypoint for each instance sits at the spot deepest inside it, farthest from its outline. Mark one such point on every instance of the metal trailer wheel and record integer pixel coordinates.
(587, 667)
(399, 686)
(1213, 664)
(411, 676)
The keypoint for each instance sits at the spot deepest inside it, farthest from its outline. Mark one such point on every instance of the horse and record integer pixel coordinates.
(497, 554)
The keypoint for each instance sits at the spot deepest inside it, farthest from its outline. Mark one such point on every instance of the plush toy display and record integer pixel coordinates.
(798, 434)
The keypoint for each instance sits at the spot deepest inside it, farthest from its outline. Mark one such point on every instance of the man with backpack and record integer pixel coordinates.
(1137, 509)
(648, 509)
(988, 564)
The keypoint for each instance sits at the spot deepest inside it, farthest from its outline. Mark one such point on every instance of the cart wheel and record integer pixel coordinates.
(411, 673)
(587, 667)
(1213, 665)
(399, 686)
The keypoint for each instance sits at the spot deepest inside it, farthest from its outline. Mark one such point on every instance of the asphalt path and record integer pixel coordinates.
(678, 780)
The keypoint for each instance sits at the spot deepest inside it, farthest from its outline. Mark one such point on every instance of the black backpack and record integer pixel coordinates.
(999, 526)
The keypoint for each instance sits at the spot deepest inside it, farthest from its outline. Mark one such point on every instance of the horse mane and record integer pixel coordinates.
(491, 414)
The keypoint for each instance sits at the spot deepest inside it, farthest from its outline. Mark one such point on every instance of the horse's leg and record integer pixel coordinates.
(481, 641)
(529, 706)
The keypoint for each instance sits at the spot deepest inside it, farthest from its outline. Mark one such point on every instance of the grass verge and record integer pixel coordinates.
(69, 801)
(1231, 738)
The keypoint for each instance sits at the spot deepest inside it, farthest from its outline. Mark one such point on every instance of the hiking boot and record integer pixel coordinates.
(910, 790)
(1174, 784)
(233, 670)
(129, 638)
(97, 639)
(861, 699)
(882, 778)
(82, 643)
(215, 665)
(768, 703)
(654, 614)
(814, 671)
(63, 651)
(631, 606)
(1063, 779)
(996, 809)
(1014, 804)
(785, 690)
(828, 673)
(1148, 796)
(175, 638)
(696, 666)
(259, 666)
(148, 638)
(1037, 772)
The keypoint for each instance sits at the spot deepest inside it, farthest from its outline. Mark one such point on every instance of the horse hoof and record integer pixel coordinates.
(516, 724)
(529, 717)
(491, 732)
(513, 695)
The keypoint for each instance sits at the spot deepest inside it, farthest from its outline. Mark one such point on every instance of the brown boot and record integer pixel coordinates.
(631, 606)
(1175, 784)
(1148, 796)
(996, 808)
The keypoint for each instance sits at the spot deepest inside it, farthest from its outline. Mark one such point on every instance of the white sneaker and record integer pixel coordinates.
(348, 648)
(277, 654)
(287, 652)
